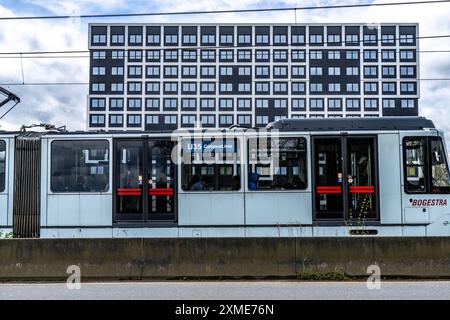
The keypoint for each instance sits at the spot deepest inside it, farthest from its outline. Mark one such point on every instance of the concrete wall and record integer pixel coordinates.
(164, 258)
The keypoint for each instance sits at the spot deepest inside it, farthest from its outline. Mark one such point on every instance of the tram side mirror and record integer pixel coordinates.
(2, 155)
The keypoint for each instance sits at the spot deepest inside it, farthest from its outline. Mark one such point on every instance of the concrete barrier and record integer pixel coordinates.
(174, 258)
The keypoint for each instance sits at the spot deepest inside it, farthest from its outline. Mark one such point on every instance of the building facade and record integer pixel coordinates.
(166, 76)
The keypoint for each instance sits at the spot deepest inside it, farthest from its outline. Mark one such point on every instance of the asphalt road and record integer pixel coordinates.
(229, 290)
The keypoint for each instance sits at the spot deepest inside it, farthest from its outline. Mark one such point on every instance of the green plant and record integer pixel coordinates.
(5, 235)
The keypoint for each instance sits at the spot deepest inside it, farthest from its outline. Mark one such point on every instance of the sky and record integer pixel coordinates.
(66, 105)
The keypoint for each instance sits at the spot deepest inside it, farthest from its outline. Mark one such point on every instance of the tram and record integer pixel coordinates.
(296, 178)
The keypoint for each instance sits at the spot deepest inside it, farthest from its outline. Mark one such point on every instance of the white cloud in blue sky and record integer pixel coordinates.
(67, 105)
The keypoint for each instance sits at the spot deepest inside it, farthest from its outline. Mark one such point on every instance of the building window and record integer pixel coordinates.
(389, 87)
(407, 103)
(370, 72)
(298, 104)
(134, 120)
(298, 55)
(279, 55)
(135, 55)
(316, 87)
(152, 104)
(388, 103)
(226, 103)
(352, 39)
(280, 72)
(134, 71)
(98, 55)
(97, 120)
(371, 87)
(262, 120)
(117, 71)
(262, 103)
(209, 55)
(117, 39)
(262, 87)
(207, 119)
(244, 120)
(152, 72)
(370, 55)
(334, 87)
(352, 55)
(244, 87)
(171, 87)
(407, 39)
(226, 87)
(208, 72)
(315, 104)
(370, 103)
(189, 39)
(352, 104)
(99, 39)
(189, 55)
(207, 103)
(244, 55)
(262, 72)
(98, 87)
(244, 103)
(153, 39)
(226, 55)
(262, 39)
(208, 87)
(116, 120)
(334, 71)
(280, 39)
(315, 39)
(134, 87)
(262, 55)
(298, 72)
(79, 166)
(352, 71)
(298, 88)
(244, 39)
(172, 119)
(370, 39)
(188, 119)
(149, 119)
(135, 39)
(408, 87)
(171, 55)
(315, 55)
(388, 71)
(334, 104)
(189, 72)
(334, 39)
(245, 71)
(170, 71)
(98, 71)
(315, 71)
(170, 103)
(407, 55)
(116, 103)
(334, 55)
(226, 120)
(171, 39)
(98, 103)
(153, 55)
(280, 103)
(407, 71)
(189, 87)
(388, 39)
(279, 87)
(352, 87)
(298, 39)
(226, 39)
(208, 39)
(152, 87)
(226, 71)
(134, 104)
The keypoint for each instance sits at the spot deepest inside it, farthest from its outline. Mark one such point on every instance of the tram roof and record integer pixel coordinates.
(333, 124)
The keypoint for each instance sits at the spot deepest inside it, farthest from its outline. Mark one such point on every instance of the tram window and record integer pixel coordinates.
(2, 165)
(415, 165)
(277, 164)
(80, 166)
(440, 181)
(211, 165)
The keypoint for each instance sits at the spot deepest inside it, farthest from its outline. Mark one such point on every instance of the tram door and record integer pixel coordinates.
(345, 179)
(145, 181)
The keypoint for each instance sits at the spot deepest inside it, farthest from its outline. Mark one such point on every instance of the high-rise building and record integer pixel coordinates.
(166, 76)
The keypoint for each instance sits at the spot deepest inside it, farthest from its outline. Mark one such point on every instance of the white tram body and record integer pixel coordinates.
(308, 177)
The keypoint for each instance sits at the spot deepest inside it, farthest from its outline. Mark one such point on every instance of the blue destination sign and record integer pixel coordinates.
(222, 146)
